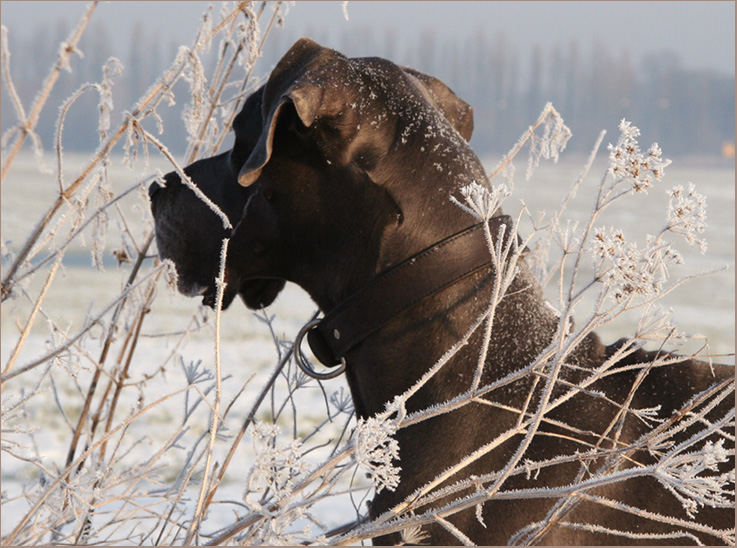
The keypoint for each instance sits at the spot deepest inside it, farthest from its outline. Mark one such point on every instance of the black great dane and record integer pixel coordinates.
(339, 180)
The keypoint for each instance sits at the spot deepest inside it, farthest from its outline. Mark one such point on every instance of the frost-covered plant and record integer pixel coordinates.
(627, 164)
(686, 475)
(377, 451)
(548, 146)
(275, 467)
(479, 201)
(95, 491)
(630, 271)
(687, 214)
(111, 446)
(553, 141)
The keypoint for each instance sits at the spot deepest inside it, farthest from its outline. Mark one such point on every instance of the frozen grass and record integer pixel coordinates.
(114, 434)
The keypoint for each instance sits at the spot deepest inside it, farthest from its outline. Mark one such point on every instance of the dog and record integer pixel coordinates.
(339, 180)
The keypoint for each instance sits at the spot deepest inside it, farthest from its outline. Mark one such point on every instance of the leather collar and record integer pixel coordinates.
(400, 287)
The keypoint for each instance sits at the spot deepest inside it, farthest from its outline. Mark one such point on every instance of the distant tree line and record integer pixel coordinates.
(687, 111)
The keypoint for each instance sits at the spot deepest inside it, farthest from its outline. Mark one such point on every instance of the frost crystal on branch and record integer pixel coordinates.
(249, 34)
(686, 476)
(110, 70)
(103, 194)
(628, 270)
(655, 324)
(480, 201)
(551, 143)
(194, 75)
(376, 449)
(414, 535)
(65, 55)
(628, 164)
(276, 467)
(687, 214)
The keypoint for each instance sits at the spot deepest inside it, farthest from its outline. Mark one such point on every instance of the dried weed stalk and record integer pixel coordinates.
(81, 417)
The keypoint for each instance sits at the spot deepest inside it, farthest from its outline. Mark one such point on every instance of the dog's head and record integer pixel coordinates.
(308, 179)
(190, 234)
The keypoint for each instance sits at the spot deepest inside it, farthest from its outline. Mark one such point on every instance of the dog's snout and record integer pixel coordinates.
(153, 188)
(169, 180)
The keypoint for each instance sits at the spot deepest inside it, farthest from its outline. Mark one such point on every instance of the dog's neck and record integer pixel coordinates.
(386, 363)
(422, 190)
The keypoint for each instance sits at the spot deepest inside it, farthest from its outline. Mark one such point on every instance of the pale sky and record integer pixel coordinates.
(701, 33)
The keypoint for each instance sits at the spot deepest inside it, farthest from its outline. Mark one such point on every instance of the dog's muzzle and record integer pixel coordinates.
(153, 188)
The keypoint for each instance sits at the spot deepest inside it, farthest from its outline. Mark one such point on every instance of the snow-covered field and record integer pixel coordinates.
(704, 306)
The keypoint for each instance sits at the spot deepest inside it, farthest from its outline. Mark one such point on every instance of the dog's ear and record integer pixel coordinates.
(456, 110)
(247, 128)
(317, 82)
(345, 103)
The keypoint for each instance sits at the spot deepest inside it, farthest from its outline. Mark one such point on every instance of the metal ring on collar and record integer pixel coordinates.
(304, 363)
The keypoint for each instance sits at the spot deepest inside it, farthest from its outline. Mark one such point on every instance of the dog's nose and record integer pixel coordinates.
(153, 188)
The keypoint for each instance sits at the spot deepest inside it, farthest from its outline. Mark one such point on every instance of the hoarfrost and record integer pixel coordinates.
(629, 165)
(376, 450)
